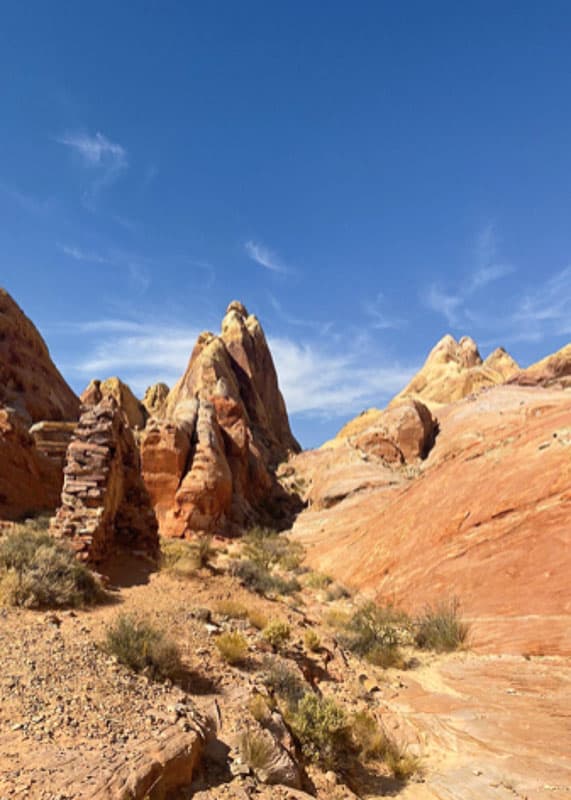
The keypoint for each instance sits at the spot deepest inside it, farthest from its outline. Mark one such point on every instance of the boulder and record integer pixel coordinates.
(29, 381)
(104, 502)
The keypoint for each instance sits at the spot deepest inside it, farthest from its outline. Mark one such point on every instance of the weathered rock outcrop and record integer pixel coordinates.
(52, 439)
(105, 503)
(554, 370)
(209, 460)
(454, 370)
(97, 390)
(29, 380)
(485, 518)
(155, 399)
(30, 482)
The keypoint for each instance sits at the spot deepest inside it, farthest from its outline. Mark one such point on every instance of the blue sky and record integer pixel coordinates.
(364, 176)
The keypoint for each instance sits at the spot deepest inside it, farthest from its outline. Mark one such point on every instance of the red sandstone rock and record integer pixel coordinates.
(29, 380)
(29, 481)
(555, 370)
(134, 411)
(105, 503)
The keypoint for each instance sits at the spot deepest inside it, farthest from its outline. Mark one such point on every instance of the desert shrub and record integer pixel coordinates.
(336, 592)
(143, 648)
(311, 640)
(38, 571)
(231, 609)
(204, 551)
(322, 729)
(316, 580)
(232, 647)
(260, 580)
(269, 549)
(178, 557)
(257, 618)
(373, 632)
(257, 751)
(276, 633)
(372, 743)
(440, 628)
(259, 708)
(280, 679)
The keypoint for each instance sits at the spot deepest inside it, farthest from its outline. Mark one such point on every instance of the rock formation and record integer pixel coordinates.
(555, 370)
(155, 399)
(30, 481)
(105, 503)
(29, 380)
(227, 422)
(114, 387)
(454, 370)
(52, 439)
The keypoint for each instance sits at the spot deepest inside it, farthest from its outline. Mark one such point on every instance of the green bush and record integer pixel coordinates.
(440, 628)
(373, 632)
(178, 557)
(143, 648)
(276, 633)
(39, 571)
(268, 549)
(260, 580)
(322, 729)
(372, 743)
(233, 647)
(316, 580)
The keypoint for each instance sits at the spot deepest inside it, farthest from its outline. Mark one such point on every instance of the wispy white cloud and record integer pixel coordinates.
(381, 318)
(82, 255)
(322, 327)
(263, 256)
(445, 303)
(99, 154)
(136, 267)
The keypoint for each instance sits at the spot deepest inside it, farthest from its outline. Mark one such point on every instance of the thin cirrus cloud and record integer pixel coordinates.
(136, 267)
(265, 257)
(105, 158)
(315, 380)
(381, 319)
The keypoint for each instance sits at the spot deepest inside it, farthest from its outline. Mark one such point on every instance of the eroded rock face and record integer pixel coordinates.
(134, 411)
(455, 369)
(30, 481)
(226, 420)
(555, 370)
(155, 399)
(29, 381)
(104, 502)
(486, 519)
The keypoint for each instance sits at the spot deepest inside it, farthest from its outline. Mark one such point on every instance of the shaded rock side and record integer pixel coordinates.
(96, 391)
(455, 369)
(226, 420)
(30, 481)
(104, 501)
(29, 380)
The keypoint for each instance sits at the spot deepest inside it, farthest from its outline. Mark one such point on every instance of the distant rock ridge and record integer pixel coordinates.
(210, 453)
(30, 383)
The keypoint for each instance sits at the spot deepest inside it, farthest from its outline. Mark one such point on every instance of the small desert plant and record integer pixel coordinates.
(257, 750)
(336, 592)
(204, 550)
(311, 640)
(260, 580)
(231, 609)
(372, 743)
(440, 628)
(322, 729)
(316, 580)
(373, 632)
(257, 618)
(232, 647)
(38, 571)
(178, 557)
(280, 679)
(268, 549)
(143, 648)
(276, 634)
(259, 708)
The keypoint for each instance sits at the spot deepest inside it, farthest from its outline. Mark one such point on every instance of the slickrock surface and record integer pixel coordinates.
(226, 420)
(29, 381)
(97, 390)
(104, 500)
(554, 370)
(30, 481)
(454, 370)
(485, 518)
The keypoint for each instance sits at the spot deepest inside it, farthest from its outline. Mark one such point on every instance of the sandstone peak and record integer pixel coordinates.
(155, 399)
(29, 380)
(554, 370)
(238, 307)
(114, 387)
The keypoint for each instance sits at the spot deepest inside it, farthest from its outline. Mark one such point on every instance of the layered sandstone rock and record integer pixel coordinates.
(29, 380)
(485, 518)
(226, 423)
(555, 370)
(52, 439)
(96, 391)
(30, 481)
(454, 370)
(155, 399)
(105, 503)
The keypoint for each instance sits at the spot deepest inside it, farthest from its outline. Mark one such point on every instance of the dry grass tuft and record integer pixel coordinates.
(233, 647)
(143, 648)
